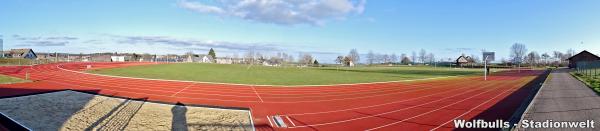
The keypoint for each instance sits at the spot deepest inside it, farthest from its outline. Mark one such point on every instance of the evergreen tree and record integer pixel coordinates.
(212, 54)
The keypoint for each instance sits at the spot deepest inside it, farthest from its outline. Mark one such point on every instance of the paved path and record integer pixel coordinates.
(564, 98)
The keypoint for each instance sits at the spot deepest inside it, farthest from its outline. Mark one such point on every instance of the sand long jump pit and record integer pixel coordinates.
(71, 110)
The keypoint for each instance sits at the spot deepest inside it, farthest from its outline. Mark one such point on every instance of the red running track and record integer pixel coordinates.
(415, 105)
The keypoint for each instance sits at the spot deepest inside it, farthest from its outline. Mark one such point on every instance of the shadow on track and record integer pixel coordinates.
(512, 107)
(179, 122)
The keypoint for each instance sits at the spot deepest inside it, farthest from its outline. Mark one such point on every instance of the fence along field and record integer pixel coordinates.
(587, 71)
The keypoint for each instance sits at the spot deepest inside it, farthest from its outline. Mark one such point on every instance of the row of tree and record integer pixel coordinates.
(375, 58)
(519, 55)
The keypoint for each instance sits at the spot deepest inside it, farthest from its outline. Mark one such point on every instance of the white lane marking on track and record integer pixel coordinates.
(375, 115)
(58, 82)
(270, 123)
(467, 111)
(172, 91)
(189, 97)
(292, 122)
(351, 98)
(184, 88)
(379, 127)
(432, 78)
(393, 102)
(258, 95)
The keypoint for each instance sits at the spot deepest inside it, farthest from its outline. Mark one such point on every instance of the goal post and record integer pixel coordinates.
(487, 57)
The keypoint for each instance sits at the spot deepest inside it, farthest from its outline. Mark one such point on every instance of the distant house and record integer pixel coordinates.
(147, 58)
(101, 58)
(197, 58)
(224, 60)
(205, 59)
(582, 56)
(271, 63)
(117, 58)
(22, 53)
(190, 58)
(464, 60)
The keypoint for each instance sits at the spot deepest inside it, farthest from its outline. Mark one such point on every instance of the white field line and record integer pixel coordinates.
(350, 98)
(117, 91)
(270, 123)
(375, 115)
(383, 104)
(258, 95)
(246, 101)
(379, 127)
(375, 105)
(184, 88)
(366, 83)
(288, 118)
(251, 119)
(113, 85)
(120, 91)
(218, 94)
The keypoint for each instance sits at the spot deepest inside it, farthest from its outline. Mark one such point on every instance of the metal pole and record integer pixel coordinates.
(485, 68)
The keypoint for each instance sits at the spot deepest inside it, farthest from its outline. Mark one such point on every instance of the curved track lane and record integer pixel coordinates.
(421, 105)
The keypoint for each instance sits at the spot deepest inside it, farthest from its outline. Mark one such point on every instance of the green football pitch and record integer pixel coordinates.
(7, 79)
(262, 75)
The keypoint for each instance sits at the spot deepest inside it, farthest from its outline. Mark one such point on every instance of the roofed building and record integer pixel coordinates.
(582, 56)
(25, 53)
(464, 60)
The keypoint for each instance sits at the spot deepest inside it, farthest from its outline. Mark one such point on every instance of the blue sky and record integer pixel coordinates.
(326, 29)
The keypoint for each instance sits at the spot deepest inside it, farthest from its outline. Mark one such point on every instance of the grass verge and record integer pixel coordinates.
(591, 81)
(8, 80)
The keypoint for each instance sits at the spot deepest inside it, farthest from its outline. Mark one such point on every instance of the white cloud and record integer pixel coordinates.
(283, 12)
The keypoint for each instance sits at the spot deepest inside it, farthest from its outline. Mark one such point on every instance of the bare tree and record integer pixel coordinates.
(422, 55)
(385, 58)
(354, 56)
(413, 57)
(307, 59)
(545, 58)
(558, 56)
(249, 56)
(394, 58)
(532, 58)
(517, 52)
(475, 58)
(290, 58)
(371, 58)
(431, 58)
(284, 58)
(570, 52)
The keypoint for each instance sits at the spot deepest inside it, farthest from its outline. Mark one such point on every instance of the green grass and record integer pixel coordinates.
(591, 81)
(14, 61)
(7, 79)
(261, 75)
